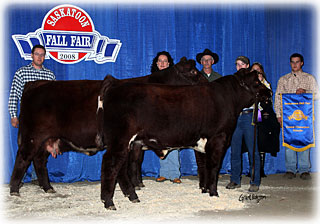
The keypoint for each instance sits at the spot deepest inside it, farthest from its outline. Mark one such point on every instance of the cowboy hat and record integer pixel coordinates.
(207, 52)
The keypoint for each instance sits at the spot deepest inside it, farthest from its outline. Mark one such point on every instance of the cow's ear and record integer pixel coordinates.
(192, 63)
(183, 59)
(239, 73)
(179, 66)
(242, 72)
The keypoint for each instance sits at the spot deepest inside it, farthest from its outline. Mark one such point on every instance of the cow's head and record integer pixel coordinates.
(251, 83)
(186, 69)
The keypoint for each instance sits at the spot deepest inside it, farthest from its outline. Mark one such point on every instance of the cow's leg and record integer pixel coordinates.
(40, 165)
(20, 167)
(139, 167)
(201, 163)
(108, 180)
(112, 162)
(215, 151)
(125, 183)
(133, 165)
(25, 154)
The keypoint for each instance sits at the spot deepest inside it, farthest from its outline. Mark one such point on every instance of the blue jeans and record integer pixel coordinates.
(170, 166)
(32, 174)
(303, 164)
(244, 129)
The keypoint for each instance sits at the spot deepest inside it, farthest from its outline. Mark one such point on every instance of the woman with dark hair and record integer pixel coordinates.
(268, 127)
(262, 76)
(161, 61)
(170, 166)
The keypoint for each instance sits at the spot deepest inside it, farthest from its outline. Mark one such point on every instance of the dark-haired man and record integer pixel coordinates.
(31, 72)
(297, 82)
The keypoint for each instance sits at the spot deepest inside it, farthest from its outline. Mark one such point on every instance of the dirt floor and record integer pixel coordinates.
(294, 200)
(277, 200)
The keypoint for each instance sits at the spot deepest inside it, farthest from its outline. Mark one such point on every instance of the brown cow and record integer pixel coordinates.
(60, 116)
(163, 117)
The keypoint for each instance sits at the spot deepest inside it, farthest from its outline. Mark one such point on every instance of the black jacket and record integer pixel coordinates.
(268, 130)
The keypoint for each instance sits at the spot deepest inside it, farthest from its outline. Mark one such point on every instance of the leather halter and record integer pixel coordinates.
(246, 87)
(242, 83)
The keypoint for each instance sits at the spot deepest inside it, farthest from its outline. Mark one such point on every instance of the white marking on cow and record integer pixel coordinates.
(201, 144)
(165, 152)
(100, 104)
(153, 140)
(200, 147)
(132, 140)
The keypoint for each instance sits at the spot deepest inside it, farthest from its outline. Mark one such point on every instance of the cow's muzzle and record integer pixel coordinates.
(263, 95)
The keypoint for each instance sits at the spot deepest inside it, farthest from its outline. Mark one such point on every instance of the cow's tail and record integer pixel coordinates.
(105, 86)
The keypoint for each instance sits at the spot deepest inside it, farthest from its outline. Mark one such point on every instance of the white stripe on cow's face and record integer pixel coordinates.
(201, 144)
(132, 140)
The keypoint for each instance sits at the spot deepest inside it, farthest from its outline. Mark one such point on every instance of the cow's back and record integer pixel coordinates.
(157, 108)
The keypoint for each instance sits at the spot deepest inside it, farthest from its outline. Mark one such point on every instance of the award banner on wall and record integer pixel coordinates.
(69, 37)
(298, 121)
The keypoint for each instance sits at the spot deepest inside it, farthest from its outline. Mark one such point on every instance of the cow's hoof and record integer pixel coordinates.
(111, 207)
(204, 190)
(135, 200)
(141, 185)
(17, 194)
(214, 194)
(51, 191)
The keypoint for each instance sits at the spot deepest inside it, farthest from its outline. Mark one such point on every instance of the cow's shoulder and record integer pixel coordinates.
(34, 84)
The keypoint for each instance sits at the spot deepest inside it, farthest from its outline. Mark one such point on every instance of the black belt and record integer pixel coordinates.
(246, 111)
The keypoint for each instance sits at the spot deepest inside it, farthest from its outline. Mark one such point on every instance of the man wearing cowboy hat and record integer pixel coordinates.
(207, 58)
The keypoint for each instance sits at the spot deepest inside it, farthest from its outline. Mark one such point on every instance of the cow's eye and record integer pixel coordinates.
(257, 83)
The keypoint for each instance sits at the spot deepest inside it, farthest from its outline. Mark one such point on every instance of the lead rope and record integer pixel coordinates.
(255, 118)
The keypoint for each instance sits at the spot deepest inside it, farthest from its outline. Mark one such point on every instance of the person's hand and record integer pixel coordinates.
(300, 91)
(15, 122)
(280, 121)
